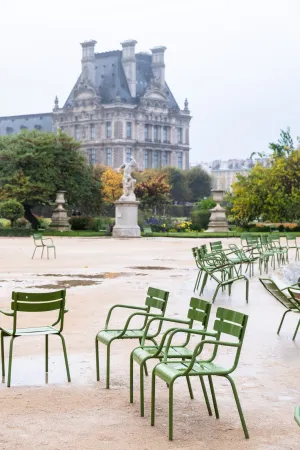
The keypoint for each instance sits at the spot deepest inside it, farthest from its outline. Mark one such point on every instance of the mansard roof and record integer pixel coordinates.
(111, 81)
(14, 124)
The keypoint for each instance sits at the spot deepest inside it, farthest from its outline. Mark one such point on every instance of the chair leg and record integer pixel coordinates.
(97, 359)
(33, 253)
(205, 395)
(237, 401)
(65, 356)
(215, 294)
(281, 322)
(42, 252)
(190, 388)
(153, 398)
(131, 379)
(2, 357)
(142, 397)
(47, 252)
(171, 401)
(213, 396)
(10, 360)
(107, 365)
(54, 252)
(296, 331)
(146, 370)
(46, 357)
(247, 290)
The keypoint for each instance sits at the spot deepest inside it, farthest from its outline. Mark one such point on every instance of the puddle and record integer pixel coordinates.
(109, 275)
(64, 284)
(151, 268)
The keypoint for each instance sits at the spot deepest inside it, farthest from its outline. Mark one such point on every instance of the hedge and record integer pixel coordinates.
(16, 232)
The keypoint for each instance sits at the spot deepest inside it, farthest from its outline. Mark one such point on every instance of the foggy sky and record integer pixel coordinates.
(237, 61)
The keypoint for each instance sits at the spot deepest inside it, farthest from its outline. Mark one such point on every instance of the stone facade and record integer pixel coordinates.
(121, 106)
(224, 173)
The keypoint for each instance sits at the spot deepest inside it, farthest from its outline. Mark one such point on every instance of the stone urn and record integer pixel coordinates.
(218, 221)
(60, 219)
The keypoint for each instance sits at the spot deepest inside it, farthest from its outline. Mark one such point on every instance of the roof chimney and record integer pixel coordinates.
(88, 61)
(158, 64)
(129, 64)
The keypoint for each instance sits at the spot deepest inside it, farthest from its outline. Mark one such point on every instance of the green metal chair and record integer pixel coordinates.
(227, 322)
(297, 415)
(199, 311)
(222, 271)
(39, 242)
(156, 300)
(291, 242)
(35, 302)
(280, 251)
(283, 296)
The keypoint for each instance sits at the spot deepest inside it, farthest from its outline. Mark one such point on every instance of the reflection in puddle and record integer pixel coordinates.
(151, 268)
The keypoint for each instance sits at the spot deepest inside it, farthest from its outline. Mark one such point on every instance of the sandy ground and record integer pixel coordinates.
(83, 414)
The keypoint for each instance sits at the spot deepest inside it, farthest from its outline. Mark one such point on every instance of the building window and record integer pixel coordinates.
(146, 159)
(165, 134)
(128, 130)
(179, 160)
(147, 133)
(155, 160)
(38, 127)
(9, 130)
(164, 159)
(77, 133)
(92, 156)
(108, 157)
(179, 135)
(22, 127)
(83, 134)
(92, 129)
(155, 133)
(128, 154)
(108, 130)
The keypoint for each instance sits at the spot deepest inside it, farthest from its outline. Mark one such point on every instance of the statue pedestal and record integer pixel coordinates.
(59, 219)
(217, 221)
(126, 220)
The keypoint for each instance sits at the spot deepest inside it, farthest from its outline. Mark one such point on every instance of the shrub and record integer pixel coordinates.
(97, 224)
(11, 210)
(80, 223)
(22, 223)
(200, 219)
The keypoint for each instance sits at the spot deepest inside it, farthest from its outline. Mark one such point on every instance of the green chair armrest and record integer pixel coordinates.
(6, 313)
(135, 315)
(188, 331)
(139, 308)
(47, 239)
(162, 319)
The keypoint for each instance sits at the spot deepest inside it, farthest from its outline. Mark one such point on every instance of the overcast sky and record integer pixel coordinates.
(237, 61)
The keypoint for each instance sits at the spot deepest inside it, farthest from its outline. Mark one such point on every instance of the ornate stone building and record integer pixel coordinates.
(120, 106)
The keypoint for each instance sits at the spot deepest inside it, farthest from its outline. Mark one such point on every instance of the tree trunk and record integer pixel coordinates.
(30, 217)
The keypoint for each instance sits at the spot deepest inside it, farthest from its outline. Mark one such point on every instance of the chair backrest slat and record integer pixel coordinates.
(228, 328)
(157, 298)
(38, 296)
(36, 307)
(199, 311)
(231, 316)
(216, 246)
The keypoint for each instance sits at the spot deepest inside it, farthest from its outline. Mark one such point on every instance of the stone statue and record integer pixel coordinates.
(128, 181)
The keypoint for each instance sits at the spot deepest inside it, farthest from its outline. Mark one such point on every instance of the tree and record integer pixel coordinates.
(111, 182)
(269, 193)
(11, 210)
(199, 183)
(34, 165)
(154, 192)
(284, 146)
(180, 191)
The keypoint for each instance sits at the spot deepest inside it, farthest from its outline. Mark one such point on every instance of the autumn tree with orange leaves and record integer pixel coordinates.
(111, 184)
(153, 191)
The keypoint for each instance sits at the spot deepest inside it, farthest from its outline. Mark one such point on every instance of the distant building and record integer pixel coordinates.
(120, 106)
(224, 173)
